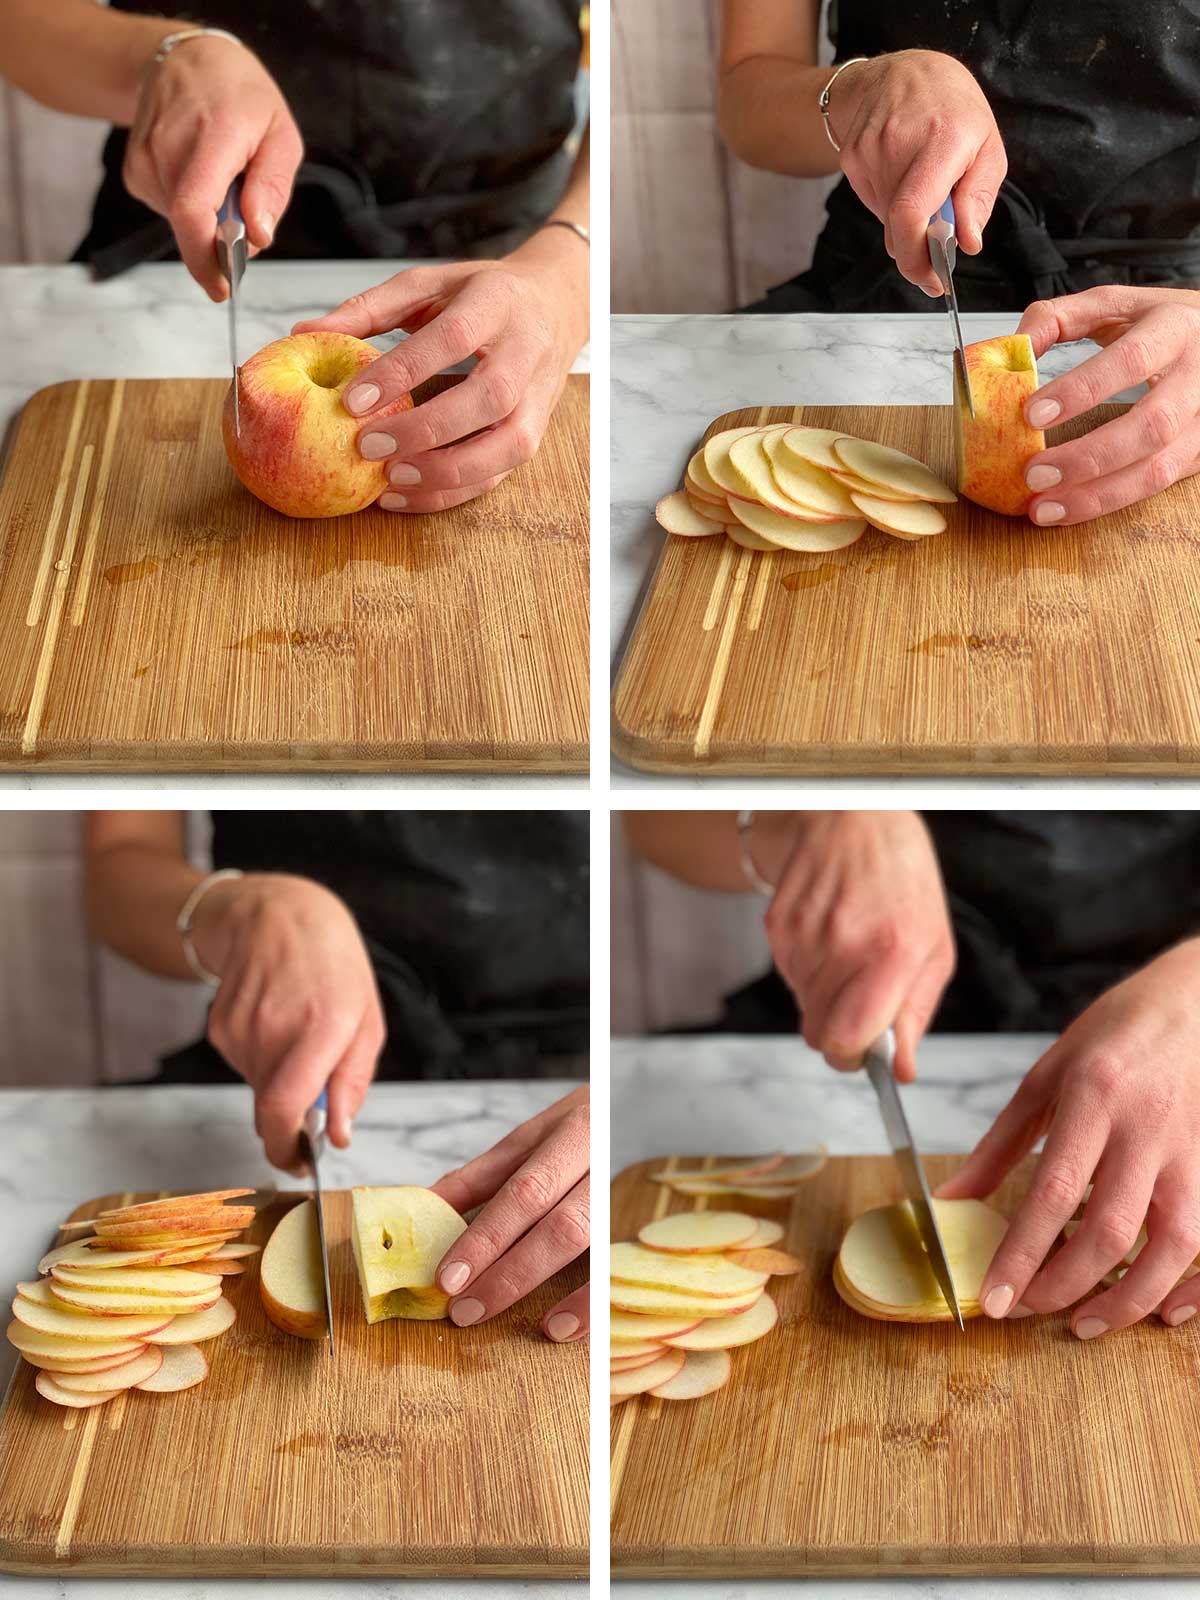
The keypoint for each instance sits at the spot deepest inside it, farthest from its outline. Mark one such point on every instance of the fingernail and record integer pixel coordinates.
(1179, 1314)
(1020, 1311)
(363, 397)
(1048, 511)
(464, 1312)
(1090, 1327)
(454, 1276)
(392, 502)
(562, 1325)
(267, 223)
(998, 1300)
(376, 445)
(1043, 477)
(1041, 413)
(402, 472)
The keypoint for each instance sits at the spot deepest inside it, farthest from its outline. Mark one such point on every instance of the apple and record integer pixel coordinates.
(290, 1279)
(905, 519)
(703, 1372)
(670, 1302)
(882, 1270)
(234, 1252)
(642, 1379)
(676, 513)
(690, 1231)
(298, 445)
(194, 1327)
(400, 1235)
(224, 1269)
(46, 1386)
(172, 1282)
(724, 1333)
(685, 1274)
(994, 446)
(127, 1376)
(183, 1366)
(632, 1363)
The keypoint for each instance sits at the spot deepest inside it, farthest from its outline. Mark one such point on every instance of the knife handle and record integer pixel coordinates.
(315, 1120)
(231, 206)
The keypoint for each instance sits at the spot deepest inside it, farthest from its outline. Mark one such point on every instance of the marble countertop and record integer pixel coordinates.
(65, 1145)
(671, 375)
(153, 322)
(735, 1094)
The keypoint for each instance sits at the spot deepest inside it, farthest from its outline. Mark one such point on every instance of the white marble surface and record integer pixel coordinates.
(64, 1146)
(715, 1094)
(671, 375)
(57, 324)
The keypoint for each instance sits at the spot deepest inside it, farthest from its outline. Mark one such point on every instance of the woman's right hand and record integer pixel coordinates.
(914, 127)
(297, 1010)
(858, 927)
(210, 112)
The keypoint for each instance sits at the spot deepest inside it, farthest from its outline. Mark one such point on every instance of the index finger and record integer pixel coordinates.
(193, 219)
(295, 1084)
(1070, 316)
(921, 191)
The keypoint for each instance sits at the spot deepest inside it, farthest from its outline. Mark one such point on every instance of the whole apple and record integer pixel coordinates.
(298, 445)
(995, 445)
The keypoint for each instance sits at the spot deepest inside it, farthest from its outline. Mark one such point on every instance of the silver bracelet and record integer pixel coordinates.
(823, 100)
(173, 39)
(745, 825)
(186, 919)
(575, 227)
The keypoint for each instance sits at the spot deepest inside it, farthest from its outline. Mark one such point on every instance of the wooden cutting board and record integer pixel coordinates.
(993, 645)
(421, 1449)
(155, 616)
(846, 1447)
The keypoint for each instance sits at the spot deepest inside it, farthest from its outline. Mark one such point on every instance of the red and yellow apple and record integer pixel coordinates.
(996, 444)
(298, 445)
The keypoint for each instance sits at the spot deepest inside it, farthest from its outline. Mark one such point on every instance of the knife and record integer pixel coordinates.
(943, 250)
(312, 1147)
(879, 1064)
(231, 258)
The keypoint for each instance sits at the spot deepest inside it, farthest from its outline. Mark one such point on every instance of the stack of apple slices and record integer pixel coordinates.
(883, 1272)
(808, 489)
(129, 1306)
(690, 1289)
(774, 1177)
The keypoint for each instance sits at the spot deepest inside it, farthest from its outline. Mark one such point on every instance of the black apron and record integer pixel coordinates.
(1099, 109)
(1050, 909)
(476, 923)
(430, 129)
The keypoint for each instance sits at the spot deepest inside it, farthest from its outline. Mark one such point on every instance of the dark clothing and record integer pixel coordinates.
(1050, 909)
(431, 127)
(476, 923)
(1099, 110)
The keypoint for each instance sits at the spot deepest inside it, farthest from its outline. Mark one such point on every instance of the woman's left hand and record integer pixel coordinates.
(1149, 336)
(534, 1190)
(525, 317)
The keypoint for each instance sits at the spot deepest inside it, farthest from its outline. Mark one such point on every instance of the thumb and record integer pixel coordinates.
(975, 193)
(912, 1022)
(267, 182)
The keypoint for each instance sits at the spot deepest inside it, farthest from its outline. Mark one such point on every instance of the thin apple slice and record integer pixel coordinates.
(812, 538)
(750, 460)
(675, 513)
(716, 459)
(69, 1324)
(625, 1325)
(749, 541)
(109, 1305)
(127, 1376)
(647, 1377)
(235, 1252)
(778, 1263)
(709, 509)
(804, 484)
(765, 1235)
(699, 1185)
(197, 1326)
(156, 1281)
(792, 1169)
(701, 481)
(853, 484)
(892, 469)
(632, 1363)
(689, 1232)
(704, 1372)
(183, 1366)
(685, 1274)
(83, 1255)
(811, 447)
(53, 1364)
(907, 519)
(183, 1229)
(668, 1303)
(725, 1333)
(177, 1202)
(754, 1171)
(30, 1342)
(48, 1387)
(223, 1269)
(626, 1349)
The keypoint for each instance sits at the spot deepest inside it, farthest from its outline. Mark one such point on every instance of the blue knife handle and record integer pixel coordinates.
(231, 206)
(314, 1122)
(945, 214)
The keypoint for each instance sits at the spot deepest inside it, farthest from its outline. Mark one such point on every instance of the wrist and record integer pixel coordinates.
(226, 908)
(561, 258)
(771, 840)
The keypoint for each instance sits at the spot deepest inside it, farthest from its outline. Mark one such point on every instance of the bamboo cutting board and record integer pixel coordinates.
(155, 615)
(846, 1447)
(422, 1449)
(993, 645)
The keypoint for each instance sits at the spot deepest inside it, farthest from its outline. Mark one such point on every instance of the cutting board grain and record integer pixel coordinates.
(422, 1449)
(845, 1447)
(995, 645)
(155, 616)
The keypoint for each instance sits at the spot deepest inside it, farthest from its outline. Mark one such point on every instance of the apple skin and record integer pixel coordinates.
(298, 447)
(995, 446)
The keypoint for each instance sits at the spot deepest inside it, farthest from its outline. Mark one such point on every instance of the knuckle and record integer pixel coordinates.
(460, 328)
(1104, 1075)
(503, 391)
(526, 438)
(1181, 1235)
(1116, 1231)
(1163, 470)
(570, 1228)
(1140, 351)
(1163, 420)
(1057, 1190)
(532, 1191)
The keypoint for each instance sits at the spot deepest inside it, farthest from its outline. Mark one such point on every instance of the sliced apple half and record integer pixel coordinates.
(692, 1231)
(290, 1280)
(909, 519)
(183, 1367)
(685, 1274)
(400, 1236)
(643, 1379)
(883, 1264)
(805, 484)
(126, 1376)
(197, 1326)
(675, 513)
(892, 469)
(703, 1372)
(813, 538)
(726, 1333)
(49, 1388)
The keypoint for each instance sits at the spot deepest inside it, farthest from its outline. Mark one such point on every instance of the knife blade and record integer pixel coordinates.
(312, 1147)
(879, 1064)
(943, 252)
(231, 258)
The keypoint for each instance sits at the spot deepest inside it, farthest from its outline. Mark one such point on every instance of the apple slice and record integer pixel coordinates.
(183, 1229)
(669, 1303)
(808, 485)
(747, 540)
(908, 519)
(754, 1171)
(194, 1327)
(105, 1304)
(647, 1377)
(177, 1202)
(30, 1342)
(708, 509)
(53, 1364)
(691, 1231)
(703, 1372)
(778, 1263)
(699, 1185)
(224, 1269)
(127, 1376)
(725, 1333)
(792, 1169)
(701, 481)
(290, 1280)
(675, 513)
(892, 469)
(632, 1363)
(47, 1386)
(853, 484)
(716, 460)
(183, 1366)
(159, 1282)
(884, 1266)
(810, 447)
(686, 1274)
(813, 538)
(749, 459)
(623, 1325)
(235, 1252)
(69, 1324)
(626, 1349)
(81, 1254)
(765, 1234)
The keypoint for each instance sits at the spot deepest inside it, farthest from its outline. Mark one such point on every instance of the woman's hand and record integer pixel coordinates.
(297, 1010)
(915, 127)
(1149, 336)
(208, 113)
(858, 927)
(1118, 1098)
(535, 1221)
(525, 317)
